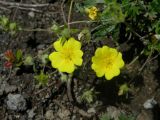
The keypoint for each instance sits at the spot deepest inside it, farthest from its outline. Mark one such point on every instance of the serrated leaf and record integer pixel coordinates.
(42, 78)
(88, 95)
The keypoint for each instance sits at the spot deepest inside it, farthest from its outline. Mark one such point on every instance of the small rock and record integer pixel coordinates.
(63, 114)
(16, 102)
(31, 14)
(41, 46)
(31, 113)
(5, 87)
(49, 115)
(150, 103)
(91, 110)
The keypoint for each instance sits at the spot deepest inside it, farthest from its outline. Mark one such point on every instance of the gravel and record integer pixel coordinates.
(16, 102)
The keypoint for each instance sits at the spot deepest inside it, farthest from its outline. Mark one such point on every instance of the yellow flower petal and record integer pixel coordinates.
(112, 72)
(77, 57)
(67, 66)
(107, 61)
(67, 56)
(74, 44)
(58, 45)
(119, 61)
(56, 59)
(92, 12)
(98, 52)
(100, 71)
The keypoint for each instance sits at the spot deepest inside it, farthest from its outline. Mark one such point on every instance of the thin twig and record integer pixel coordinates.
(22, 5)
(4, 8)
(63, 14)
(37, 30)
(45, 88)
(48, 29)
(82, 112)
(154, 57)
(69, 13)
(17, 7)
(147, 60)
(25, 8)
(135, 59)
(141, 38)
(9, 75)
(59, 104)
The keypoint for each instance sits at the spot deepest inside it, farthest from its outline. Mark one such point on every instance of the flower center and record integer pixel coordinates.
(68, 54)
(108, 61)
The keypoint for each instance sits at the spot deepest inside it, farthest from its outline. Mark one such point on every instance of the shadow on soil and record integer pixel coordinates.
(156, 109)
(108, 90)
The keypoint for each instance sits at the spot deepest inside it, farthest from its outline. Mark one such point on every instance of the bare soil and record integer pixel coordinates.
(53, 100)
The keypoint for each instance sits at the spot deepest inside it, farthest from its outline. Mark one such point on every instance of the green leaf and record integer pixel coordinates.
(65, 33)
(155, 5)
(73, 31)
(55, 28)
(88, 3)
(157, 27)
(12, 26)
(28, 60)
(42, 78)
(85, 35)
(64, 77)
(114, 12)
(126, 117)
(18, 55)
(123, 89)
(88, 95)
(4, 21)
(100, 1)
(105, 116)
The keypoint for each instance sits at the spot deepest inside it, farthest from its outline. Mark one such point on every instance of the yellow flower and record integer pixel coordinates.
(67, 55)
(107, 61)
(92, 12)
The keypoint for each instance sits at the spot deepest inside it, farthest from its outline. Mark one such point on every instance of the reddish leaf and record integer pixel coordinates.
(9, 56)
(8, 64)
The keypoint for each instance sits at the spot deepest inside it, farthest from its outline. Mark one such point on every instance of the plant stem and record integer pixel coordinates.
(69, 14)
(63, 14)
(69, 91)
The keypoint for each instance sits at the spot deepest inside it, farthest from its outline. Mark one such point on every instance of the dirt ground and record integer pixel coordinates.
(52, 102)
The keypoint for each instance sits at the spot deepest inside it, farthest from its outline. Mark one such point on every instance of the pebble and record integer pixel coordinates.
(31, 113)
(31, 14)
(41, 46)
(6, 88)
(91, 110)
(49, 115)
(150, 103)
(16, 102)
